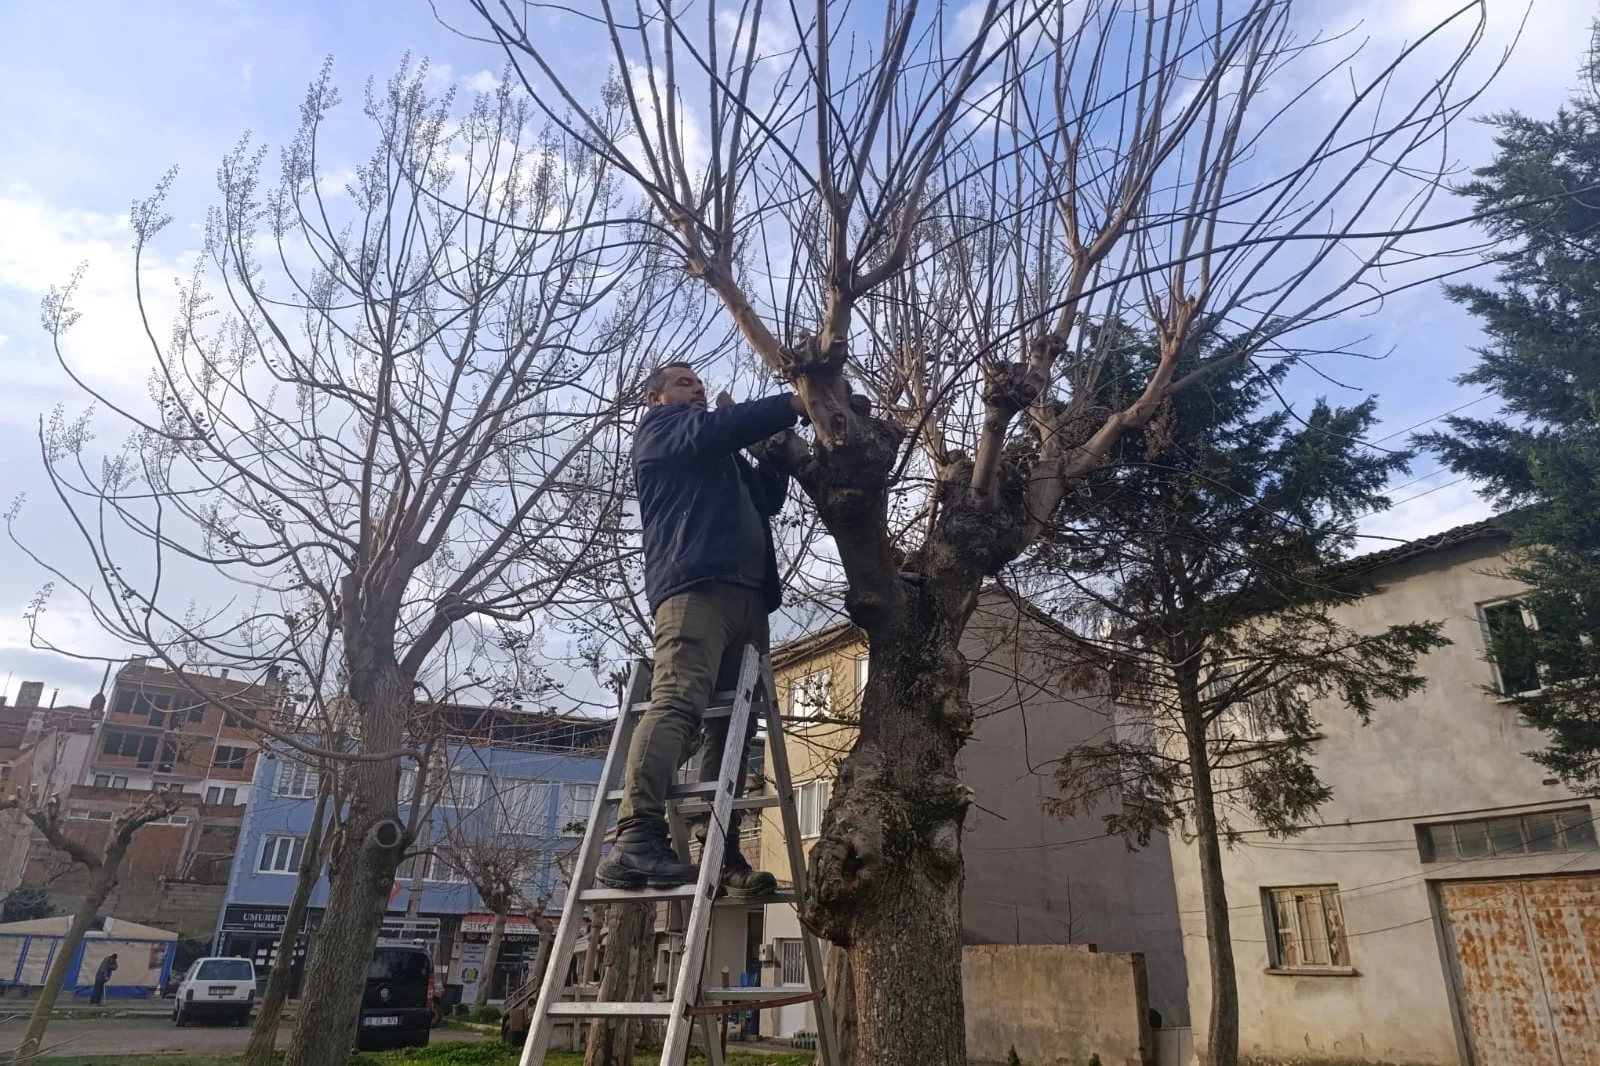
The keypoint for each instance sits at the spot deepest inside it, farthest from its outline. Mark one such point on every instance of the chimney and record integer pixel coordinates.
(2, 701)
(29, 693)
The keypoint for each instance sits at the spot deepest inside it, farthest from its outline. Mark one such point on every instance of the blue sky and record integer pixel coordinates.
(101, 98)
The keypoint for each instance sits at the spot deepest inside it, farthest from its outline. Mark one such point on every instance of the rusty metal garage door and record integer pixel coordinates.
(1527, 968)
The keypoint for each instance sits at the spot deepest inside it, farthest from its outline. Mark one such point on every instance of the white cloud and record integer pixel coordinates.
(481, 82)
(45, 243)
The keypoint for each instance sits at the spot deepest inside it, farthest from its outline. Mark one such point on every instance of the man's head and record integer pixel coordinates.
(675, 384)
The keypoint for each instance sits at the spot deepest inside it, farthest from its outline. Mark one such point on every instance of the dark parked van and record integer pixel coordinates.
(397, 1005)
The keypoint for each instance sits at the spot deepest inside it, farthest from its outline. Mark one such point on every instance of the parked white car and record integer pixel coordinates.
(216, 988)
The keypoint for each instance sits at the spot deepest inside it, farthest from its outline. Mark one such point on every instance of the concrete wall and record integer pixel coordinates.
(1449, 752)
(190, 910)
(1057, 1004)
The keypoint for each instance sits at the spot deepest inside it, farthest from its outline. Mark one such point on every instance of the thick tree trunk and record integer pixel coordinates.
(886, 876)
(611, 1040)
(100, 886)
(491, 958)
(262, 1049)
(1222, 1040)
(366, 852)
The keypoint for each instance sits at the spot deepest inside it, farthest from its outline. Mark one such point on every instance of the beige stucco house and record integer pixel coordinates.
(1031, 878)
(1447, 907)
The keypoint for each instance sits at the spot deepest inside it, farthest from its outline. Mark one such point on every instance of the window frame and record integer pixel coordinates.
(569, 823)
(1333, 935)
(222, 795)
(233, 762)
(291, 771)
(111, 780)
(1486, 631)
(1568, 820)
(798, 688)
(790, 953)
(824, 785)
(275, 843)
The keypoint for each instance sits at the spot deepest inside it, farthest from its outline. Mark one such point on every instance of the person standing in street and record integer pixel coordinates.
(711, 579)
(108, 966)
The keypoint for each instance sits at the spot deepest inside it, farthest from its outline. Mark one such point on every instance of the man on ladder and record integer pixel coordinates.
(711, 579)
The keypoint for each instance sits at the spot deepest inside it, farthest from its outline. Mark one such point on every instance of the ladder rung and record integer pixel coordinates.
(684, 892)
(661, 1009)
(692, 790)
(729, 995)
(743, 803)
(636, 895)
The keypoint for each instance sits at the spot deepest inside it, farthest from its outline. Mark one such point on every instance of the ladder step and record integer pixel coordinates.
(682, 892)
(662, 1009)
(743, 803)
(731, 995)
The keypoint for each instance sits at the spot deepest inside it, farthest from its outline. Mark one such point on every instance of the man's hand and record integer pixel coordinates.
(724, 400)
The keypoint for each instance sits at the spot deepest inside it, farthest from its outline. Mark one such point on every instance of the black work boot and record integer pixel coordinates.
(642, 858)
(739, 880)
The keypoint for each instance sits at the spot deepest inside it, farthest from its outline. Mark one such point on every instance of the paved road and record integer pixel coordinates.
(150, 1036)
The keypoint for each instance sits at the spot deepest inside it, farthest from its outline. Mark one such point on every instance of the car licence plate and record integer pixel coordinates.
(222, 990)
(382, 1021)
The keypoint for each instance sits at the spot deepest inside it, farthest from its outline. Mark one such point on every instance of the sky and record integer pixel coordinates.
(102, 98)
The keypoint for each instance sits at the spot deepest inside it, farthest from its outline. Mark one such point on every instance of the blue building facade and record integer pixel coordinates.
(497, 781)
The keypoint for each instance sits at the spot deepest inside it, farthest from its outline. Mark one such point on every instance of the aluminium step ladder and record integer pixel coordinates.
(690, 1000)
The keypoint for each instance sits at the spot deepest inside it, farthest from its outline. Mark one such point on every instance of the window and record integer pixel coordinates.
(576, 803)
(197, 713)
(811, 696)
(147, 751)
(125, 701)
(1515, 671)
(810, 800)
(84, 814)
(863, 671)
(1307, 928)
(296, 779)
(463, 790)
(127, 745)
(446, 786)
(791, 962)
(225, 970)
(281, 854)
(524, 808)
(1545, 832)
(229, 758)
(440, 867)
(225, 797)
(110, 781)
(1255, 715)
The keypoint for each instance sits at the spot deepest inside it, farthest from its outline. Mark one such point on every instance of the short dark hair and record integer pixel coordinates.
(658, 377)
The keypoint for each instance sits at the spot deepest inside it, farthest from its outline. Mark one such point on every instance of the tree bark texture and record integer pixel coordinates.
(262, 1049)
(887, 873)
(1222, 1034)
(611, 1040)
(491, 957)
(367, 849)
(100, 886)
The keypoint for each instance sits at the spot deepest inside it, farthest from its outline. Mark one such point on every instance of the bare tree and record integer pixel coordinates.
(383, 441)
(907, 217)
(102, 866)
(262, 1049)
(499, 866)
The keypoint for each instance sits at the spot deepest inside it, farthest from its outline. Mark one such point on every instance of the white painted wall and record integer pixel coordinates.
(1450, 752)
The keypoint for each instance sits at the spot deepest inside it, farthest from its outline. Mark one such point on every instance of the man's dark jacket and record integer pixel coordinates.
(706, 511)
